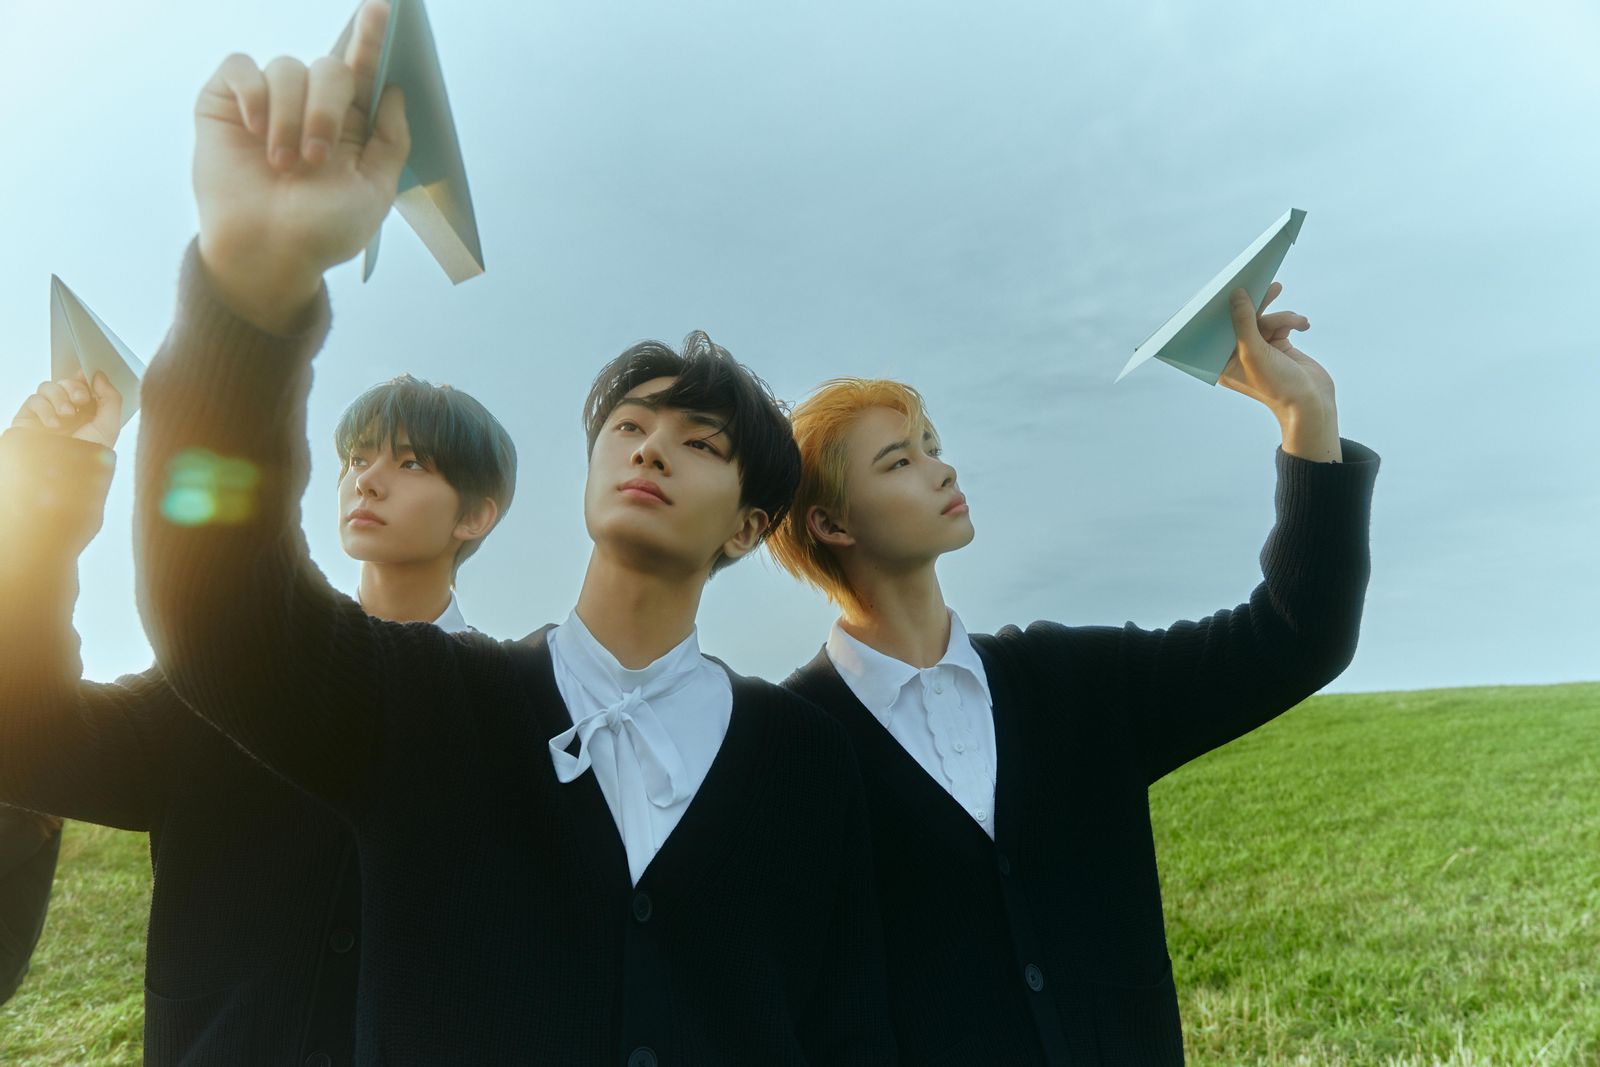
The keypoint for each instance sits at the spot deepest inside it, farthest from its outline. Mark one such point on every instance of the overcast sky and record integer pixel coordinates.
(994, 202)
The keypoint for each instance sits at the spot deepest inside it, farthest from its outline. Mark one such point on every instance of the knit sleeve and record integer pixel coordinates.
(78, 749)
(1195, 685)
(245, 627)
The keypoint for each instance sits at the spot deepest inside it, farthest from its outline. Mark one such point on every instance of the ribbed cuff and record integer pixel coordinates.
(1324, 509)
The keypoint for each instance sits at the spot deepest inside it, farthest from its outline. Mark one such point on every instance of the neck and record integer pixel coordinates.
(406, 592)
(637, 613)
(899, 613)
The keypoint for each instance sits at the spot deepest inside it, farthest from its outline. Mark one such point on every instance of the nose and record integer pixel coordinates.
(651, 454)
(949, 476)
(370, 483)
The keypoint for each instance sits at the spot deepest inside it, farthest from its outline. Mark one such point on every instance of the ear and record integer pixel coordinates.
(826, 529)
(748, 536)
(478, 522)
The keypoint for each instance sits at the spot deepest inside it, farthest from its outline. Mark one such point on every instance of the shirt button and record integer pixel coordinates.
(938, 687)
(961, 746)
(341, 941)
(642, 1057)
(643, 908)
(982, 815)
(1034, 977)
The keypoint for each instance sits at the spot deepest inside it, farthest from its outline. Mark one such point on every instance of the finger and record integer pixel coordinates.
(105, 392)
(286, 89)
(1272, 294)
(237, 91)
(365, 51)
(42, 410)
(1281, 320)
(390, 143)
(1244, 320)
(77, 390)
(329, 92)
(56, 395)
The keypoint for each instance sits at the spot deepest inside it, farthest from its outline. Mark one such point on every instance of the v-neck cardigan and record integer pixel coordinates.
(499, 924)
(1046, 945)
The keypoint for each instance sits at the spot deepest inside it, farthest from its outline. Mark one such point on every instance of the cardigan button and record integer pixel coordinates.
(1034, 977)
(1005, 864)
(643, 908)
(642, 1057)
(341, 941)
(319, 1059)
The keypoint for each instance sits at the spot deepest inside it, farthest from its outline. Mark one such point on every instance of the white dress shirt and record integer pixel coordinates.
(450, 620)
(649, 735)
(943, 715)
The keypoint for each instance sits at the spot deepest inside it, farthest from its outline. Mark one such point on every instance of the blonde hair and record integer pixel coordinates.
(820, 423)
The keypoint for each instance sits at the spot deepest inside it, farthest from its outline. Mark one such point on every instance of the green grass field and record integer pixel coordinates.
(1391, 879)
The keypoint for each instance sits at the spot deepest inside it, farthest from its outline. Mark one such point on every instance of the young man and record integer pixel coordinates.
(704, 895)
(1006, 775)
(256, 904)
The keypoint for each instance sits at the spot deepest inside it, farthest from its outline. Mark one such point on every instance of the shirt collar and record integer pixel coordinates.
(598, 671)
(450, 620)
(876, 679)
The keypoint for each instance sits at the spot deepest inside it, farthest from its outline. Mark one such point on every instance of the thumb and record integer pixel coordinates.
(1244, 320)
(390, 144)
(108, 403)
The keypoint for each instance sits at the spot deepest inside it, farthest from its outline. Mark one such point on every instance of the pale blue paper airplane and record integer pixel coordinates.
(79, 341)
(433, 196)
(1199, 339)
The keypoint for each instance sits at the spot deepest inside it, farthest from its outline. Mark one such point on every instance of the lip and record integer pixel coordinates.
(957, 505)
(362, 518)
(639, 488)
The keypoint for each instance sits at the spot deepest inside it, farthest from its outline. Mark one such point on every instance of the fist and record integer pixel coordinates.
(75, 408)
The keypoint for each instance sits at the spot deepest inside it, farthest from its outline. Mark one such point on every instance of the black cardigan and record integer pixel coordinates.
(255, 906)
(499, 922)
(1046, 945)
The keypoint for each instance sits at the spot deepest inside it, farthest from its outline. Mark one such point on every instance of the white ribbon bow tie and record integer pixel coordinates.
(660, 762)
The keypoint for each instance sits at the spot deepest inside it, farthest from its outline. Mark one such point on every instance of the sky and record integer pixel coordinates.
(996, 203)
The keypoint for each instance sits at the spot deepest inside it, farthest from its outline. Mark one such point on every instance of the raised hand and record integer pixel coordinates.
(1266, 366)
(286, 179)
(73, 408)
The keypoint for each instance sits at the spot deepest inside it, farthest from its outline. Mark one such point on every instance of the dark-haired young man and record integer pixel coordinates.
(256, 904)
(1007, 774)
(704, 896)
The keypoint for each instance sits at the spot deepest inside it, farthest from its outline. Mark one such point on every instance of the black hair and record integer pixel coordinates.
(447, 429)
(708, 379)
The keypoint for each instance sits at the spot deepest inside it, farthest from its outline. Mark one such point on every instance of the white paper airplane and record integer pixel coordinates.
(79, 341)
(433, 196)
(1199, 339)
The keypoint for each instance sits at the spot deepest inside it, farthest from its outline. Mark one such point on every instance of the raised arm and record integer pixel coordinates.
(73, 748)
(1195, 685)
(245, 627)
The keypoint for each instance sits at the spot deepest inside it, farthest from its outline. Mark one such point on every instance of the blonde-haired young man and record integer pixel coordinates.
(1006, 775)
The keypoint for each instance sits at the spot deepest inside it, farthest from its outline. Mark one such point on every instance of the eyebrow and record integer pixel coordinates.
(927, 435)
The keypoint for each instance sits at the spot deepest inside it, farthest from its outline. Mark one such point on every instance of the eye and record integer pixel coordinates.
(704, 445)
(413, 464)
(901, 462)
(358, 461)
(627, 424)
(935, 451)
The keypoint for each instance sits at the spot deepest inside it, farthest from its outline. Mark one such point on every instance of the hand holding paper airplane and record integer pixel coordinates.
(287, 181)
(75, 408)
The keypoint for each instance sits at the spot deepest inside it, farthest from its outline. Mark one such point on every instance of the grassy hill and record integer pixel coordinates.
(1392, 879)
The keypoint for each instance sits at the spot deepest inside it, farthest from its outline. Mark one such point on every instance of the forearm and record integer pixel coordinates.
(66, 747)
(246, 629)
(1311, 430)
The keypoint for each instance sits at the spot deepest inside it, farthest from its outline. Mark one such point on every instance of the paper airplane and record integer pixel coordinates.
(79, 341)
(1199, 339)
(433, 196)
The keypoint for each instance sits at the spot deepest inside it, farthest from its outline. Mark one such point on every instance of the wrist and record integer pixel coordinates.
(271, 291)
(1310, 429)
